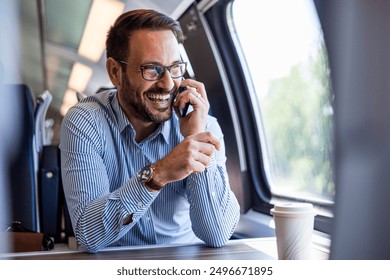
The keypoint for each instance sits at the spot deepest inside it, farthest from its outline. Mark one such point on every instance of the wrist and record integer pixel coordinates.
(158, 174)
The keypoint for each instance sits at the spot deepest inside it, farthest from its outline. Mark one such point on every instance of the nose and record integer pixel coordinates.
(166, 82)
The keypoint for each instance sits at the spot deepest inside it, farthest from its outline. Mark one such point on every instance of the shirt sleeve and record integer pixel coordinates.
(214, 209)
(97, 214)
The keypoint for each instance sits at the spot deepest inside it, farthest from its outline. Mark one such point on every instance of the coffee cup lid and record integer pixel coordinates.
(293, 209)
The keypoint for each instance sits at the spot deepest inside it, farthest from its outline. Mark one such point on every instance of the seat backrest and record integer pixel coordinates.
(54, 220)
(34, 191)
(9, 118)
(22, 174)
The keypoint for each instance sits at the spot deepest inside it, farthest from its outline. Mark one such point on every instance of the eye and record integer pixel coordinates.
(154, 68)
(177, 70)
(177, 67)
(149, 67)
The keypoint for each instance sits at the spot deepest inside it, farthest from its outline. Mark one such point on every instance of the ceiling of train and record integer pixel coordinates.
(51, 32)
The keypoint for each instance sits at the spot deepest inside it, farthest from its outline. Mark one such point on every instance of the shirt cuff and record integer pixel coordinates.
(135, 197)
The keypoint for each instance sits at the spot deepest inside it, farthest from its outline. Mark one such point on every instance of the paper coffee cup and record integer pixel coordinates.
(294, 223)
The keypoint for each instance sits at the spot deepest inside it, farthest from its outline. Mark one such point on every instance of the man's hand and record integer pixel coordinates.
(195, 94)
(192, 155)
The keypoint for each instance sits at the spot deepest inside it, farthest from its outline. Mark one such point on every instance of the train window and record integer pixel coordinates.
(281, 43)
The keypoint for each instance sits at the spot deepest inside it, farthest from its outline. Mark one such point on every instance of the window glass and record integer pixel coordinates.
(281, 43)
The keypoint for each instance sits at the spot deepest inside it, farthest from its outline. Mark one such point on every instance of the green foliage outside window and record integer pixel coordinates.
(297, 118)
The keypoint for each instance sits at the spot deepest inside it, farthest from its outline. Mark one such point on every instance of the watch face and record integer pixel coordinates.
(145, 174)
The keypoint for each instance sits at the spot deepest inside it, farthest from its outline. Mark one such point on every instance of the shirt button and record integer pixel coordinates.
(138, 150)
(140, 203)
(212, 193)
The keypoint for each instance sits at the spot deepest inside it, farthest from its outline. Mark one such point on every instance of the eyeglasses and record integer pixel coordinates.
(156, 72)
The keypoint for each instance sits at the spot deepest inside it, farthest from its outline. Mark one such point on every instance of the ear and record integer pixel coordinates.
(114, 71)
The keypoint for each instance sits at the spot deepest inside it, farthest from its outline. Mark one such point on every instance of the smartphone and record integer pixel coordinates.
(185, 110)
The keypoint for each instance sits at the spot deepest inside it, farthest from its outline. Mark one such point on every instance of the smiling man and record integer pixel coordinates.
(135, 171)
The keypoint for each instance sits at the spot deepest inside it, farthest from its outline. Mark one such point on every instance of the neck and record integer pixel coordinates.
(142, 127)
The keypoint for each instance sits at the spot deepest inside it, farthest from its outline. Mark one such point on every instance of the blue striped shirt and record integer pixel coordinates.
(99, 161)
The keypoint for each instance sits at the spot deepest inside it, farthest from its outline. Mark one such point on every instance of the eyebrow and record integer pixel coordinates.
(159, 64)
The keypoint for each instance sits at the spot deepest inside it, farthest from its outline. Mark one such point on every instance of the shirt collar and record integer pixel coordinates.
(164, 129)
(122, 120)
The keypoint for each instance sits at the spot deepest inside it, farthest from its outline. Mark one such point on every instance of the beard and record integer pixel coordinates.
(133, 103)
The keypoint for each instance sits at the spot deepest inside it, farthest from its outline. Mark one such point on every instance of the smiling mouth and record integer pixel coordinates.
(161, 99)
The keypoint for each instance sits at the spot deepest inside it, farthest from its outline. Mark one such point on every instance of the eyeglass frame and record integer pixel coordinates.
(164, 70)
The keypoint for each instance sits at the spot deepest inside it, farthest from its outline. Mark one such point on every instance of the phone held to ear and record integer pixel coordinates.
(185, 110)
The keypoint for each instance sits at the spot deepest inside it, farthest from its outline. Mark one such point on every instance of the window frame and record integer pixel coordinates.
(263, 199)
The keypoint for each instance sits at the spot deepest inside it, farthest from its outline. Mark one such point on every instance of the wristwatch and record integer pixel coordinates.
(145, 176)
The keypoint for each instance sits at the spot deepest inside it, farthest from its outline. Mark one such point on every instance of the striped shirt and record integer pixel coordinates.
(100, 159)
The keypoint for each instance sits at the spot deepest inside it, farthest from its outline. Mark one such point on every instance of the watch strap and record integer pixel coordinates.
(154, 185)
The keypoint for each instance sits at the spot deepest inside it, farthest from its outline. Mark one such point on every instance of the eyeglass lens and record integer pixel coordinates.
(155, 72)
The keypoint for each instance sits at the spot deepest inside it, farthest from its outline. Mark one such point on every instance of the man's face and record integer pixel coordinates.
(142, 100)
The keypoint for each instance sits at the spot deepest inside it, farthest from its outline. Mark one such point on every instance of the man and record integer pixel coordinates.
(135, 171)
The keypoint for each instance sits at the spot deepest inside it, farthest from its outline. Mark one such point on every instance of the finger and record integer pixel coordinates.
(206, 148)
(203, 159)
(196, 98)
(198, 86)
(189, 96)
(197, 95)
(208, 137)
(198, 167)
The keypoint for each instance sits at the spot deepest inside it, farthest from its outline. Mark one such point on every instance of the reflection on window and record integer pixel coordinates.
(282, 45)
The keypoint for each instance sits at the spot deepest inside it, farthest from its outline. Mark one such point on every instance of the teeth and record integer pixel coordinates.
(159, 96)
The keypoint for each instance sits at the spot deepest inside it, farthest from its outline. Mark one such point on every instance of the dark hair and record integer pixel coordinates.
(119, 34)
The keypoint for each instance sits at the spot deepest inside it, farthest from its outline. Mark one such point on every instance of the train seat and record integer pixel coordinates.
(23, 192)
(34, 189)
